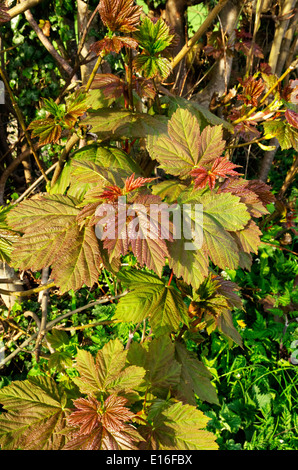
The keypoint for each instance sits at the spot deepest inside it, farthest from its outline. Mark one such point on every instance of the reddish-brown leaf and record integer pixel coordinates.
(292, 118)
(120, 15)
(102, 426)
(113, 44)
(221, 167)
(252, 90)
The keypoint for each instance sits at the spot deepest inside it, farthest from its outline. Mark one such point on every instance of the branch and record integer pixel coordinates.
(51, 324)
(48, 45)
(22, 122)
(202, 29)
(21, 7)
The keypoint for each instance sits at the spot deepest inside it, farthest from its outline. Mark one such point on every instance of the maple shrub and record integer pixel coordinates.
(179, 227)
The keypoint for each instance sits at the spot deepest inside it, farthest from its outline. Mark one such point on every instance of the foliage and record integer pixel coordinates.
(195, 347)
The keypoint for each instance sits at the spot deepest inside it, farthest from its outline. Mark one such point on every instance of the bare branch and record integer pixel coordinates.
(21, 7)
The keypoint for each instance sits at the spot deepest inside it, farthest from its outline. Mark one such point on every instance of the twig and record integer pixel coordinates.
(51, 324)
(43, 299)
(74, 139)
(22, 122)
(199, 33)
(21, 7)
(291, 67)
(34, 185)
(48, 45)
(26, 293)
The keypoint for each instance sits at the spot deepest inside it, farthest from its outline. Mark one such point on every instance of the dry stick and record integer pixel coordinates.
(34, 184)
(202, 29)
(52, 323)
(21, 7)
(22, 122)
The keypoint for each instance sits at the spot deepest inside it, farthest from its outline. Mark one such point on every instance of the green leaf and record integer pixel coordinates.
(108, 373)
(169, 190)
(153, 37)
(184, 146)
(221, 215)
(285, 134)
(53, 238)
(7, 236)
(151, 66)
(191, 265)
(162, 370)
(177, 427)
(113, 124)
(151, 298)
(36, 412)
(195, 378)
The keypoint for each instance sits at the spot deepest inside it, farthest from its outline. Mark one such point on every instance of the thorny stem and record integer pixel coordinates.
(22, 122)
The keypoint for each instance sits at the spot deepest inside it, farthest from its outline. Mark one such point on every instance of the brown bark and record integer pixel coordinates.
(222, 70)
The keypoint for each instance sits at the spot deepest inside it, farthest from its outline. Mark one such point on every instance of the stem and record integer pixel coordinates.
(21, 7)
(26, 293)
(22, 122)
(51, 324)
(202, 29)
(129, 79)
(93, 73)
(289, 69)
(171, 277)
(74, 139)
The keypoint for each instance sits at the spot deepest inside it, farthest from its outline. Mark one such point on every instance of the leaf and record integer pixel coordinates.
(195, 378)
(137, 226)
(108, 373)
(153, 37)
(149, 297)
(7, 236)
(162, 370)
(249, 238)
(285, 133)
(221, 167)
(168, 189)
(36, 412)
(222, 213)
(47, 130)
(150, 66)
(184, 146)
(113, 44)
(177, 427)
(113, 124)
(191, 265)
(120, 15)
(102, 426)
(292, 118)
(53, 238)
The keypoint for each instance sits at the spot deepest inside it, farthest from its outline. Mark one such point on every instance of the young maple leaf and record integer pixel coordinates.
(102, 426)
(252, 90)
(120, 15)
(111, 193)
(221, 167)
